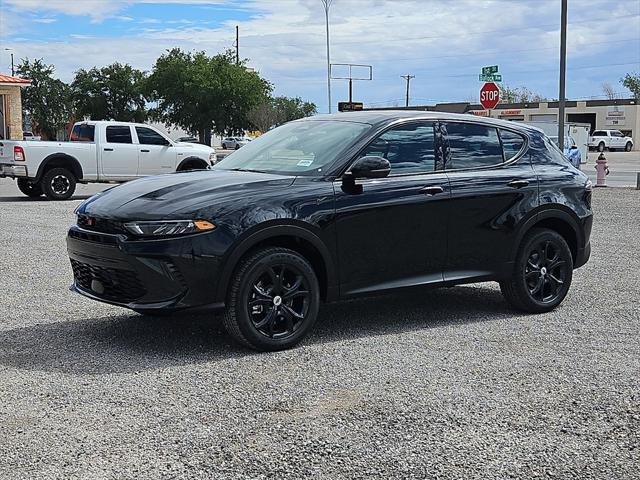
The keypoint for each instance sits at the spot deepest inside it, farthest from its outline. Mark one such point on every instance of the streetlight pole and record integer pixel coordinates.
(327, 5)
(13, 71)
(563, 70)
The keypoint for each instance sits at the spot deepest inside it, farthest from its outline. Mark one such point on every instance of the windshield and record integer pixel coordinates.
(296, 148)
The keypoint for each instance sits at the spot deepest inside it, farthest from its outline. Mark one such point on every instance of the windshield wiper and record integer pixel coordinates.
(246, 170)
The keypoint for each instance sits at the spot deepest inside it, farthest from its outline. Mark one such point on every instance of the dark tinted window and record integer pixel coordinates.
(471, 146)
(146, 136)
(82, 133)
(409, 148)
(119, 134)
(511, 143)
(598, 133)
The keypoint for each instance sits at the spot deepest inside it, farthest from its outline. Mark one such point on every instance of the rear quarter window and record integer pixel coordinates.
(512, 143)
(82, 133)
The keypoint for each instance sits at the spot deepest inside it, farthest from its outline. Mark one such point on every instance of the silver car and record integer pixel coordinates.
(234, 143)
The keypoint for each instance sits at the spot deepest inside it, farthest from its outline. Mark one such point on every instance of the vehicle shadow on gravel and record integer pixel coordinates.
(41, 199)
(131, 342)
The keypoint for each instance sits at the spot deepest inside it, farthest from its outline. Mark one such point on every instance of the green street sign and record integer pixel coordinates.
(489, 70)
(496, 77)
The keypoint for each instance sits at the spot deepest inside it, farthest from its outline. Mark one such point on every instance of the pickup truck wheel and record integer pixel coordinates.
(58, 184)
(601, 147)
(628, 147)
(30, 189)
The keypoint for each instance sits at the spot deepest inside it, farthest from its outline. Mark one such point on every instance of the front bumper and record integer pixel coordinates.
(12, 170)
(162, 274)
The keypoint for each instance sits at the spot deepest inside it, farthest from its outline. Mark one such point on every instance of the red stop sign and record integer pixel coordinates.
(489, 95)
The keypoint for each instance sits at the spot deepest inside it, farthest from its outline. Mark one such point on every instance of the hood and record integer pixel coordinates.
(193, 145)
(158, 197)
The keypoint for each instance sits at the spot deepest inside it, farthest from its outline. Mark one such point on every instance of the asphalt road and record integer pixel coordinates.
(445, 384)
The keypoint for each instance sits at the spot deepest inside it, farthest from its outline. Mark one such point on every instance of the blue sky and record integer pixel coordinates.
(444, 43)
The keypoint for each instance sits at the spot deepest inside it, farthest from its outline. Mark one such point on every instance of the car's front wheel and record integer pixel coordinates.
(542, 272)
(273, 300)
(628, 147)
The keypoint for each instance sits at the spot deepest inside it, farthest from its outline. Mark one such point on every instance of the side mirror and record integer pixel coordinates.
(369, 167)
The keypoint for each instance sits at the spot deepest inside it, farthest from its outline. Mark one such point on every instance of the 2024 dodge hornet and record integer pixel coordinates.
(335, 206)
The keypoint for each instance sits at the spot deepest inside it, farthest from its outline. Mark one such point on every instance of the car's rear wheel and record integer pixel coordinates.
(273, 300)
(30, 189)
(601, 147)
(628, 147)
(542, 272)
(58, 184)
(237, 147)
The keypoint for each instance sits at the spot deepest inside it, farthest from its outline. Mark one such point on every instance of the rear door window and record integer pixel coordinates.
(119, 134)
(471, 145)
(82, 132)
(512, 143)
(599, 133)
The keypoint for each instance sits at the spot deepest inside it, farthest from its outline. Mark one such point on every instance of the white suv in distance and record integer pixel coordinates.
(611, 139)
(234, 143)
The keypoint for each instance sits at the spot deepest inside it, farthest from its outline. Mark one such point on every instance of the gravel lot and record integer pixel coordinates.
(443, 384)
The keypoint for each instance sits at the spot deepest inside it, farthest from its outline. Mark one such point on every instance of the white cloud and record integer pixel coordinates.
(443, 43)
(45, 20)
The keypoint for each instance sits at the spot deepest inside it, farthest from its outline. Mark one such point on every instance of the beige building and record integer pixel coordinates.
(11, 107)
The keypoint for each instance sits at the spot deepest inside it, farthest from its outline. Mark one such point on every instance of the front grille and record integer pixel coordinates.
(108, 283)
(100, 224)
(93, 237)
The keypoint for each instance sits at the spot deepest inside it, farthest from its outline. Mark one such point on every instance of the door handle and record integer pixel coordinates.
(144, 151)
(518, 183)
(432, 190)
(108, 149)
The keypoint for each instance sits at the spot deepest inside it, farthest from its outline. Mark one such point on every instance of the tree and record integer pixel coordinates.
(631, 81)
(46, 100)
(111, 92)
(201, 93)
(518, 95)
(609, 91)
(279, 110)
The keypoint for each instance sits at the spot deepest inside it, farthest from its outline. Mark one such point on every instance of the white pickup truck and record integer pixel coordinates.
(98, 151)
(611, 139)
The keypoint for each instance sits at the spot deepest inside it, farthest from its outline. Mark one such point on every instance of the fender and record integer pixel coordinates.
(272, 231)
(559, 212)
(71, 162)
(192, 159)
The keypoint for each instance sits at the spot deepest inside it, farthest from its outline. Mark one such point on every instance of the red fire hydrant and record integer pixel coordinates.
(602, 170)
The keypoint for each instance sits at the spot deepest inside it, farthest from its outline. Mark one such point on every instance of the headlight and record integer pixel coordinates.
(169, 227)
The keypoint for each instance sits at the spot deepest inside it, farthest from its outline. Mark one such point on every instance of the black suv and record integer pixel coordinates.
(336, 206)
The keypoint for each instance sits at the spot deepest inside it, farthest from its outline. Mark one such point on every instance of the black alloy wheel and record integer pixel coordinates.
(273, 300)
(545, 271)
(30, 189)
(58, 184)
(542, 273)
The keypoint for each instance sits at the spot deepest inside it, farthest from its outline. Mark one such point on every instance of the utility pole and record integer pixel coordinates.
(563, 70)
(327, 5)
(237, 46)
(13, 71)
(408, 79)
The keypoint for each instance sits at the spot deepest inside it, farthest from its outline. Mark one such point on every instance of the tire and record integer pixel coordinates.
(30, 189)
(628, 147)
(601, 147)
(58, 184)
(237, 147)
(283, 290)
(224, 146)
(542, 272)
